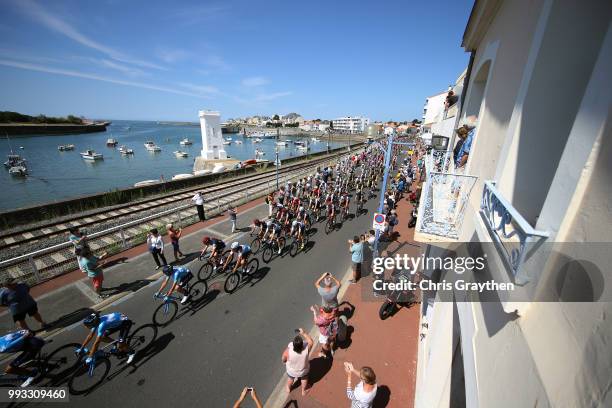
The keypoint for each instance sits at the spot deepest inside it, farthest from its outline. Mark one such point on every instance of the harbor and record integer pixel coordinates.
(57, 170)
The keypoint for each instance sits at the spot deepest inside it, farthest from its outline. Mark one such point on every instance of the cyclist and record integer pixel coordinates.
(217, 246)
(258, 228)
(243, 252)
(101, 327)
(297, 231)
(180, 276)
(331, 210)
(344, 202)
(274, 230)
(25, 343)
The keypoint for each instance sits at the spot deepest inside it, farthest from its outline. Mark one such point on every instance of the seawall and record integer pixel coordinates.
(21, 129)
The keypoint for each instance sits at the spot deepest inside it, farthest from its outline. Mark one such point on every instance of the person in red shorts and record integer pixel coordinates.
(90, 264)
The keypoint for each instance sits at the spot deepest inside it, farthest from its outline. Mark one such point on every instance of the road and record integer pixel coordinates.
(208, 355)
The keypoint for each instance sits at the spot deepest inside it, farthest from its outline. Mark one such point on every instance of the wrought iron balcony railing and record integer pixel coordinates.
(443, 203)
(512, 234)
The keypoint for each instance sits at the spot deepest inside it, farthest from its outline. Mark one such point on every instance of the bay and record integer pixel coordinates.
(55, 175)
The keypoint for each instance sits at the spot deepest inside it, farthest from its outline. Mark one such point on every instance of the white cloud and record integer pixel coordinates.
(78, 74)
(254, 81)
(172, 56)
(54, 23)
(217, 62)
(271, 96)
(119, 67)
(204, 89)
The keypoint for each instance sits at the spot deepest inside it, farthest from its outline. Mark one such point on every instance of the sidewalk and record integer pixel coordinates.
(389, 347)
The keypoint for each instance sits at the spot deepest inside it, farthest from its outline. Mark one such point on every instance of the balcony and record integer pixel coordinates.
(513, 236)
(443, 202)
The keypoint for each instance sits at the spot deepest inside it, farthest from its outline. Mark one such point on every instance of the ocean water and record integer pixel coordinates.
(55, 175)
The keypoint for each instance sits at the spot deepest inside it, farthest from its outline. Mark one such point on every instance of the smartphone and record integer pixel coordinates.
(250, 389)
(296, 330)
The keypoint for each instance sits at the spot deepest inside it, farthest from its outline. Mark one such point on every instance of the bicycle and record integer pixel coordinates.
(166, 312)
(330, 225)
(55, 366)
(271, 248)
(89, 375)
(359, 209)
(233, 279)
(207, 270)
(297, 245)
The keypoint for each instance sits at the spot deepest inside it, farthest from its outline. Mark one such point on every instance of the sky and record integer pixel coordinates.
(160, 60)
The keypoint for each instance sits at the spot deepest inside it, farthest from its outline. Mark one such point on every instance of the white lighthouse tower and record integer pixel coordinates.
(212, 139)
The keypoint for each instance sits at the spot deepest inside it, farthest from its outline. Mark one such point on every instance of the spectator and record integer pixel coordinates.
(245, 391)
(175, 235)
(232, 216)
(156, 247)
(326, 321)
(296, 360)
(79, 240)
(90, 265)
(16, 296)
(466, 135)
(364, 393)
(392, 220)
(328, 288)
(451, 99)
(356, 250)
(270, 202)
(198, 200)
(370, 239)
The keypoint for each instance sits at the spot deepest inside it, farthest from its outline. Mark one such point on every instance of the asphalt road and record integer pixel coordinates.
(206, 356)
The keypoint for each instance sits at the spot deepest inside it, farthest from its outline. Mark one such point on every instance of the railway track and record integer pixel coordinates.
(100, 217)
(117, 230)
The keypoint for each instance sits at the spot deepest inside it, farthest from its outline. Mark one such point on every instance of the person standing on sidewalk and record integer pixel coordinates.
(90, 265)
(175, 235)
(296, 360)
(16, 296)
(232, 217)
(356, 250)
(364, 393)
(326, 321)
(156, 247)
(328, 288)
(198, 200)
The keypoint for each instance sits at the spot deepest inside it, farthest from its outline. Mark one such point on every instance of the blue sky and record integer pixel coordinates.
(155, 60)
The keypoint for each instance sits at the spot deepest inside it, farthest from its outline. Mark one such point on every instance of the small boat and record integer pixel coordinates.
(259, 153)
(146, 183)
(64, 148)
(238, 142)
(202, 172)
(182, 176)
(229, 139)
(124, 150)
(92, 155)
(249, 162)
(315, 140)
(179, 153)
(111, 142)
(151, 146)
(282, 143)
(19, 170)
(186, 142)
(227, 143)
(14, 160)
(257, 140)
(218, 168)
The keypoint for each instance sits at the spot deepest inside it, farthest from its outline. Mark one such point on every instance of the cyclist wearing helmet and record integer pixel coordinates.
(297, 231)
(243, 252)
(274, 230)
(216, 244)
(23, 342)
(101, 327)
(180, 276)
(258, 228)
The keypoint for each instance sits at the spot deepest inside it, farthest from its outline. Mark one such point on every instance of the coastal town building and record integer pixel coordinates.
(532, 192)
(351, 124)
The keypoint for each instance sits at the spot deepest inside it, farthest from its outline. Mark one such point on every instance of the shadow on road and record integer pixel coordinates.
(127, 287)
(70, 318)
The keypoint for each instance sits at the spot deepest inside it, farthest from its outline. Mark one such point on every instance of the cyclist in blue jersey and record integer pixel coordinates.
(180, 276)
(101, 327)
(25, 343)
(243, 252)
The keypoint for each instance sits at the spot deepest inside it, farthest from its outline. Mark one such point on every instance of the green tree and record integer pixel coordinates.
(275, 117)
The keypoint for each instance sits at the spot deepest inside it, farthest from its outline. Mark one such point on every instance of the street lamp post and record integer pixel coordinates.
(276, 163)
